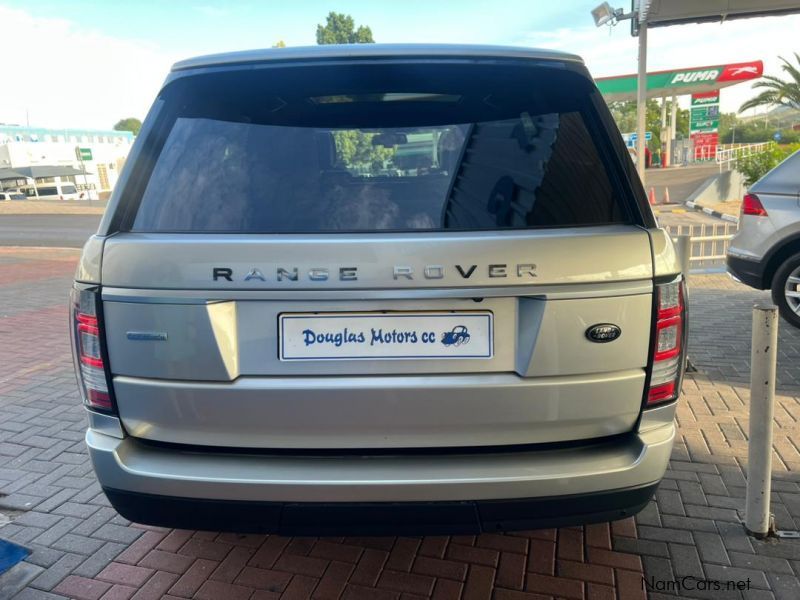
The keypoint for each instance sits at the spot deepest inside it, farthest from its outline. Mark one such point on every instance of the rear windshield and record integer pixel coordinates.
(69, 189)
(380, 148)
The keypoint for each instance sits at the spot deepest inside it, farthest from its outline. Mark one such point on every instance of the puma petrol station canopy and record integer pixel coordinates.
(679, 82)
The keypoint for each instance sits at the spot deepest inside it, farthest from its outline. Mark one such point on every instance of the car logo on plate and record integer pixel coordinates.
(603, 333)
(459, 335)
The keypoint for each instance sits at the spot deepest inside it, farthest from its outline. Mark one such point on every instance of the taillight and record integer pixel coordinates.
(89, 351)
(668, 343)
(751, 205)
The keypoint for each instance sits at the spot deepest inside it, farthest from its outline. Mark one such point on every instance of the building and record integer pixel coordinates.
(100, 154)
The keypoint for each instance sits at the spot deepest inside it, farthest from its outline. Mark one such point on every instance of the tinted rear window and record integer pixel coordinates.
(69, 189)
(396, 147)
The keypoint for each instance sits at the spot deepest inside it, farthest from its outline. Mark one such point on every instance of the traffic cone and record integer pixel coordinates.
(652, 196)
(666, 196)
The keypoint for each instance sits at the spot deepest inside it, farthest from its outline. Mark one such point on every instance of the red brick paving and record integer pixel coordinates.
(321, 569)
(570, 562)
(82, 588)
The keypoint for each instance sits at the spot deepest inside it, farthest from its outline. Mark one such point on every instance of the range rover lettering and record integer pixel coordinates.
(379, 289)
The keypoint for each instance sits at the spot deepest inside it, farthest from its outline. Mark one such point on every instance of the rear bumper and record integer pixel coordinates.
(258, 492)
(749, 272)
(380, 518)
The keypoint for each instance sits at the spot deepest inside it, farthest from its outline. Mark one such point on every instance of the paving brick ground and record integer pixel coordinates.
(83, 549)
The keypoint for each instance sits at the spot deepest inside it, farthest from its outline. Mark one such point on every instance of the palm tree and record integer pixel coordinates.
(778, 92)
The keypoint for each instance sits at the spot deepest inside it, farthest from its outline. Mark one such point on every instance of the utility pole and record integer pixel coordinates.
(673, 128)
(664, 133)
(641, 100)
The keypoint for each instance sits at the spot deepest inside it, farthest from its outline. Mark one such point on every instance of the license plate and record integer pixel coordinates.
(386, 336)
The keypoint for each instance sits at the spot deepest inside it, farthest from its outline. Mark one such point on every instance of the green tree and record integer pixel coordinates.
(728, 124)
(354, 148)
(754, 167)
(777, 91)
(340, 28)
(754, 131)
(130, 124)
(279, 44)
(624, 114)
(682, 123)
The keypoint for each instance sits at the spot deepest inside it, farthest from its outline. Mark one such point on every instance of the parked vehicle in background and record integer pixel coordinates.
(55, 191)
(379, 289)
(765, 252)
(11, 195)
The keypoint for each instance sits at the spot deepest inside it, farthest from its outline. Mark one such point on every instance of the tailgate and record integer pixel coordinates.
(198, 361)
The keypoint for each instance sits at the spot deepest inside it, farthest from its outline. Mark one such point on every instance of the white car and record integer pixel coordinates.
(11, 195)
(56, 191)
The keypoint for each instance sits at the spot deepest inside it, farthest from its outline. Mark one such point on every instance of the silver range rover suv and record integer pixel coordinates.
(379, 289)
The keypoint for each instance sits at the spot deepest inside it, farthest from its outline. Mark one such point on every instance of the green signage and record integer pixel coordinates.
(704, 121)
(83, 153)
(705, 112)
(705, 117)
(704, 99)
(707, 125)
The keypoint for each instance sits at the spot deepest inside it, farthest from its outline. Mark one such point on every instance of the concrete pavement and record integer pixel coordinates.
(682, 181)
(67, 231)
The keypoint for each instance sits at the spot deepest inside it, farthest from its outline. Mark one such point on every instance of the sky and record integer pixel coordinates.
(89, 63)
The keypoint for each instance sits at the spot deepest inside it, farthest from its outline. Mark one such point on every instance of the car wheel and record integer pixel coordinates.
(786, 290)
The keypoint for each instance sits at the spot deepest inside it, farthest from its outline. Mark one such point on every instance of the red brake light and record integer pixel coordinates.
(751, 205)
(661, 393)
(87, 338)
(98, 399)
(668, 344)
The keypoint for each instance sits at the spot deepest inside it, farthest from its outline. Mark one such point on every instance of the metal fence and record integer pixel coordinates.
(728, 154)
(724, 156)
(709, 242)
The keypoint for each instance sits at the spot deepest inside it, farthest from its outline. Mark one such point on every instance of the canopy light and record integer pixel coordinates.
(605, 15)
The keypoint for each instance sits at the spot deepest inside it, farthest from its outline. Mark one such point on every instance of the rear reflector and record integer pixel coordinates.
(661, 393)
(87, 346)
(668, 346)
(751, 205)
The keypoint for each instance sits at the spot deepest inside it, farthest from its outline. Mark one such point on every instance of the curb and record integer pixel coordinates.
(668, 208)
(71, 248)
(712, 212)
